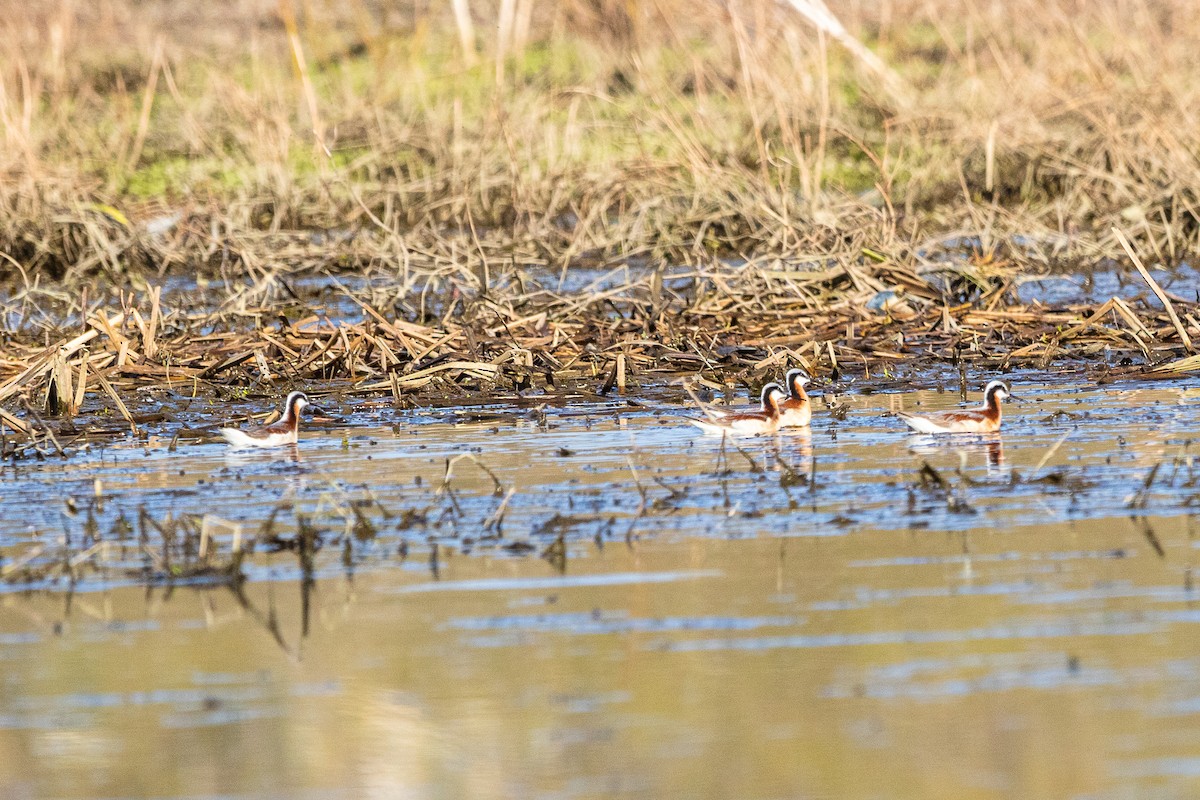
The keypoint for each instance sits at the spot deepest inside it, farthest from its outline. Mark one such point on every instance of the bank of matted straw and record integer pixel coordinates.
(435, 336)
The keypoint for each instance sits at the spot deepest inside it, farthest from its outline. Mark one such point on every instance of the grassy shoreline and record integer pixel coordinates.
(256, 144)
(646, 131)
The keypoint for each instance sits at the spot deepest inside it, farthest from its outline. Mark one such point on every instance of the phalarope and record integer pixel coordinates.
(278, 433)
(985, 419)
(796, 410)
(748, 423)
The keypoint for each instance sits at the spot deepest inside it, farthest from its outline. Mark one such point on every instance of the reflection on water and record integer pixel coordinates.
(1100, 285)
(849, 613)
(985, 448)
(1037, 661)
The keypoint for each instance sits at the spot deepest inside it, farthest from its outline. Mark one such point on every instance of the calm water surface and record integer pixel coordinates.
(801, 617)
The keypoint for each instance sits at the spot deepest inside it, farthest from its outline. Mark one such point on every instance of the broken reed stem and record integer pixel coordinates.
(49, 434)
(59, 394)
(16, 423)
(116, 398)
(1153, 284)
(80, 383)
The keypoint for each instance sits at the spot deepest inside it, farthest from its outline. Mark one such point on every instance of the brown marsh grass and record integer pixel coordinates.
(667, 129)
(454, 149)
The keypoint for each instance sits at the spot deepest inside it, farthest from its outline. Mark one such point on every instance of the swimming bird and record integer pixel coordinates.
(985, 419)
(278, 433)
(748, 423)
(796, 410)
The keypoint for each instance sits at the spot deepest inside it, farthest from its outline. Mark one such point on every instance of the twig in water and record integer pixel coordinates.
(1142, 496)
(1150, 535)
(790, 476)
(498, 488)
(1050, 452)
(556, 553)
(754, 467)
(930, 475)
(496, 520)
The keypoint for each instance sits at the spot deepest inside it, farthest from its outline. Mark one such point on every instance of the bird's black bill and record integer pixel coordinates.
(317, 411)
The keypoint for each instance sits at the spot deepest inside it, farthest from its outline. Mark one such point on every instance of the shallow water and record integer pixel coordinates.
(799, 617)
(1100, 285)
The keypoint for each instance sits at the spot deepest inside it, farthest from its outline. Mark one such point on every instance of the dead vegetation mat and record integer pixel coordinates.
(484, 319)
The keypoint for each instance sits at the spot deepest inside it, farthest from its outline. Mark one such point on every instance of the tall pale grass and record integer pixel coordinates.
(602, 128)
